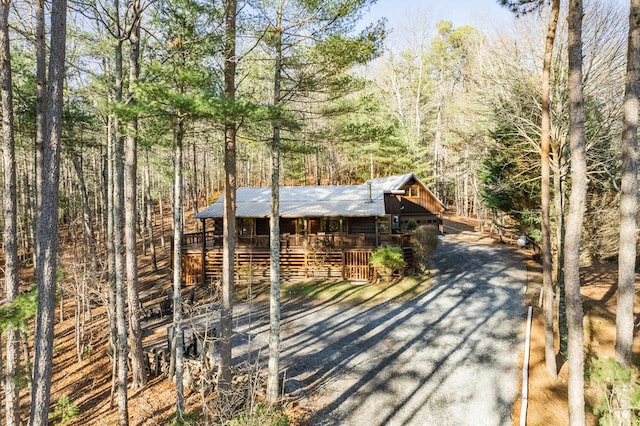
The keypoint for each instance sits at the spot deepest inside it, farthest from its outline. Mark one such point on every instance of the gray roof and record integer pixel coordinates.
(313, 201)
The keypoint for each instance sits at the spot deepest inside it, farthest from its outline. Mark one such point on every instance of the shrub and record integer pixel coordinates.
(387, 260)
(187, 419)
(618, 388)
(261, 415)
(65, 411)
(424, 241)
(17, 313)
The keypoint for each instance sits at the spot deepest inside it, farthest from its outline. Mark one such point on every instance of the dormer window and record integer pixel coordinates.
(414, 192)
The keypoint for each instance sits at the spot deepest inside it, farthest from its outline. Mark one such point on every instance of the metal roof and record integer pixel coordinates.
(314, 201)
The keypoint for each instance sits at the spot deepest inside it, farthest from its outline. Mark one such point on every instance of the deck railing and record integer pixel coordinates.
(316, 241)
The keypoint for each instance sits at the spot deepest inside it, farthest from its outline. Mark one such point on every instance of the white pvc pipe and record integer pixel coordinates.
(525, 371)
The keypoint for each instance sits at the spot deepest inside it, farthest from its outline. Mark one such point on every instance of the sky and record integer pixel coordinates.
(485, 15)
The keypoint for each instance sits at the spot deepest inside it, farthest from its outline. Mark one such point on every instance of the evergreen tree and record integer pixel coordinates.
(10, 242)
(47, 228)
(312, 48)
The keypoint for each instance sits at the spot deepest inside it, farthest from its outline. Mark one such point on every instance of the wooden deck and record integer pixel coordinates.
(321, 255)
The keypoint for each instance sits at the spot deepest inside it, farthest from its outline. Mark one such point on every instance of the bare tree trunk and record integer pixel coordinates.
(467, 204)
(149, 211)
(119, 248)
(2, 376)
(88, 237)
(24, 341)
(80, 279)
(10, 221)
(418, 104)
(437, 145)
(111, 258)
(47, 228)
(130, 181)
(628, 210)
(161, 204)
(273, 386)
(229, 216)
(41, 106)
(142, 221)
(547, 265)
(577, 202)
(119, 251)
(558, 261)
(194, 179)
(26, 202)
(629, 194)
(61, 301)
(178, 194)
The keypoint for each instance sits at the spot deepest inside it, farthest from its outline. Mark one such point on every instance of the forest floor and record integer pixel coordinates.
(547, 396)
(86, 380)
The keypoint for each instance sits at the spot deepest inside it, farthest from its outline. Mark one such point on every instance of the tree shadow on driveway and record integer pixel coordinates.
(449, 356)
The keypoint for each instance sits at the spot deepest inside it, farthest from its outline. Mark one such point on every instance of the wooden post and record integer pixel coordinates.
(203, 259)
(344, 260)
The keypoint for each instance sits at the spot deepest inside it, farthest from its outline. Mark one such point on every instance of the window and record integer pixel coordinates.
(245, 226)
(395, 223)
(414, 191)
(383, 225)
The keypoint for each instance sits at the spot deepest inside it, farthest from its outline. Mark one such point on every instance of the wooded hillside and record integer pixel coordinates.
(121, 119)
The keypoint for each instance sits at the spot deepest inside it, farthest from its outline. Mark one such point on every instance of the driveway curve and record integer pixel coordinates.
(448, 357)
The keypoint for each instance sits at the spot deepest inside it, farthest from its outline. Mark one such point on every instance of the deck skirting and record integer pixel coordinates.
(295, 264)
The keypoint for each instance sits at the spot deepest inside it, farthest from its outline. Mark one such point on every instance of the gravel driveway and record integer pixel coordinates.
(448, 357)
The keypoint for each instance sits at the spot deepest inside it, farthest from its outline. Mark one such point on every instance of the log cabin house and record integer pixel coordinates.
(326, 232)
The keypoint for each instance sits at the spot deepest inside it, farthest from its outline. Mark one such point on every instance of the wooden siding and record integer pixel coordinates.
(423, 203)
(398, 204)
(361, 225)
(424, 200)
(417, 205)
